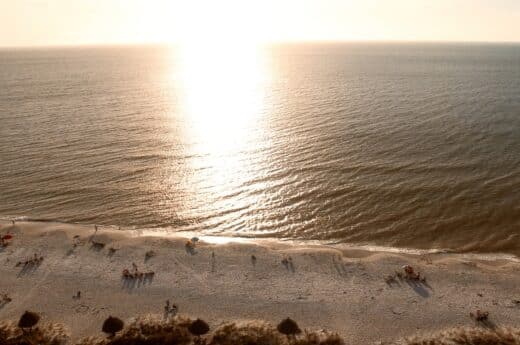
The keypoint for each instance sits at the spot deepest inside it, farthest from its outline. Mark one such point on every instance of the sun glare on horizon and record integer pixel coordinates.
(221, 89)
(223, 22)
(221, 71)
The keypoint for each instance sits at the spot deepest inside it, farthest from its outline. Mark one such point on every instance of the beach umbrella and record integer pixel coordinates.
(29, 319)
(288, 327)
(198, 327)
(112, 325)
(7, 237)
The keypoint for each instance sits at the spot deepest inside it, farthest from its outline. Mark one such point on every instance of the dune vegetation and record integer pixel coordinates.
(181, 330)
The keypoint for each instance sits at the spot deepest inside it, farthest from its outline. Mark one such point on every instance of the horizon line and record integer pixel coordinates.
(267, 43)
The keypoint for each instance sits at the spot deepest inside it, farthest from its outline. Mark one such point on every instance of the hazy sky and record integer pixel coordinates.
(62, 22)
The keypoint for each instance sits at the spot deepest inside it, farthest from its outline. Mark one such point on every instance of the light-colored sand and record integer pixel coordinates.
(325, 288)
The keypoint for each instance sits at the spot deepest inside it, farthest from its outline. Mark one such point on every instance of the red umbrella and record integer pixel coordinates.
(7, 237)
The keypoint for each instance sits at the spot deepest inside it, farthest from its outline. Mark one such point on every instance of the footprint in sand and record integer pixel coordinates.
(397, 311)
(85, 309)
(96, 311)
(82, 309)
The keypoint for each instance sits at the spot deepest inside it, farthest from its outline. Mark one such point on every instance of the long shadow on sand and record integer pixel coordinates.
(487, 324)
(28, 268)
(190, 250)
(131, 283)
(289, 265)
(340, 267)
(419, 288)
(3, 304)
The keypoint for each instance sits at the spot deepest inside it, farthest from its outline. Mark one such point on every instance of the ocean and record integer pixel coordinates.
(396, 145)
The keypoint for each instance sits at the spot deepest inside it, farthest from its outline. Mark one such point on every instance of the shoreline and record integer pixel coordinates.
(342, 290)
(271, 241)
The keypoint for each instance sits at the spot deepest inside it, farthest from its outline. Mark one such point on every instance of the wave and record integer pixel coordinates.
(273, 241)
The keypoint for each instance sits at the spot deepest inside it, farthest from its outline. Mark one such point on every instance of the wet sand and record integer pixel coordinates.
(319, 286)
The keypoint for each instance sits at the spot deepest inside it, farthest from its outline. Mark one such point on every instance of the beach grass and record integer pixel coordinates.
(152, 330)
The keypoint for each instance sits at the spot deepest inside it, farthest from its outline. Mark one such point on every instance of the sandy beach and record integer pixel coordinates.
(319, 286)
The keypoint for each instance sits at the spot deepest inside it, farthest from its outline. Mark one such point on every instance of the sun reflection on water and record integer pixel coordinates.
(222, 93)
(222, 90)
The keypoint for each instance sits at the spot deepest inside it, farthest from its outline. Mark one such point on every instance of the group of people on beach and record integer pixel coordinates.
(136, 274)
